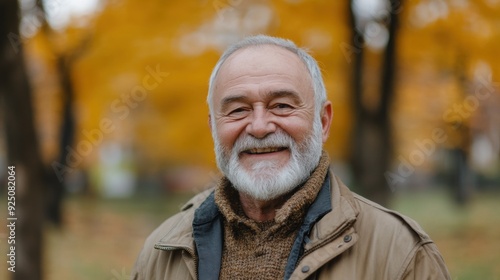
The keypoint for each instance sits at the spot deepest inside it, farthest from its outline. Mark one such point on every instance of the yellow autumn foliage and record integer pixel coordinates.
(144, 74)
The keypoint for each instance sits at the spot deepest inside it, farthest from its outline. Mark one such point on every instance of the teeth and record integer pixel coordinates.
(264, 150)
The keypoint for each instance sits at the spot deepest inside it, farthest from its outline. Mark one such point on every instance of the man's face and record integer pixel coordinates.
(264, 119)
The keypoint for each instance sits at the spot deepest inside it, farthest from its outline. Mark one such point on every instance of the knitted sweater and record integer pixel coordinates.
(259, 250)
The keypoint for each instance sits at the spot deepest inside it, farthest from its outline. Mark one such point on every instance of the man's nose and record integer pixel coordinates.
(261, 124)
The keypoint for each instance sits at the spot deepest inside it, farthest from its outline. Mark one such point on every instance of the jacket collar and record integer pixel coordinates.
(333, 234)
(330, 226)
(208, 232)
(208, 235)
(320, 207)
(180, 236)
(343, 215)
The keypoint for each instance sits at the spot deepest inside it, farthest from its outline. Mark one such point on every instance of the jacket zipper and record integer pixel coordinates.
(187, 249)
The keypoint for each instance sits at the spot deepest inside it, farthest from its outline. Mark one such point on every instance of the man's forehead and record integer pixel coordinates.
(263, 58)
(262, 51)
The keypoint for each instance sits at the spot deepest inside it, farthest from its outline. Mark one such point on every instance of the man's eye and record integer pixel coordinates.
(281, 109)
(282, 106)
(237, 111)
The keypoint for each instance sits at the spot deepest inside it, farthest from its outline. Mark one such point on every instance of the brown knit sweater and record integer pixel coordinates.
(259, 250)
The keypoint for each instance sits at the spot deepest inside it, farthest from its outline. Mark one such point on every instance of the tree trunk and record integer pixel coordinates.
(460, 184)
(22, 146)
(372, 145)
(55, 194)
(64, 63)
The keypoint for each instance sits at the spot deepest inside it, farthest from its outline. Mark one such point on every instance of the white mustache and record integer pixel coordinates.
(277, 139)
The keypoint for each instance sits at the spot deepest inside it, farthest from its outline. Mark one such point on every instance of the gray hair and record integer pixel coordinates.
(309, 61)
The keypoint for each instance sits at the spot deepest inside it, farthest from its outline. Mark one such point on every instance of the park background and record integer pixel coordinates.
(103, 114)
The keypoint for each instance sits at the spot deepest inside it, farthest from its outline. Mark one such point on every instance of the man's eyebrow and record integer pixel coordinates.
(270, 95)
(284, 93)
(226, 101)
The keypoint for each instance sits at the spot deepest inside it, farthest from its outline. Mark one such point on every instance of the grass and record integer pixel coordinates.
(468, 238)
(102, 238)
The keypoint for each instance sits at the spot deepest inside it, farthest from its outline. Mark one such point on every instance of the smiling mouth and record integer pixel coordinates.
(257, 151)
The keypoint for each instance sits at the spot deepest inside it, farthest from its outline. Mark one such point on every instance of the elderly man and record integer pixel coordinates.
(278, 212)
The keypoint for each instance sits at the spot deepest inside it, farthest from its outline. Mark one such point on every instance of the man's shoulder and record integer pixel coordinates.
(389, 224)
(394, 240)
(372, 217)
(174, 228)
(386, 242)
(173, 236)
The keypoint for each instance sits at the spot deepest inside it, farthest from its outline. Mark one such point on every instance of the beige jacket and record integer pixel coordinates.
(358, 239)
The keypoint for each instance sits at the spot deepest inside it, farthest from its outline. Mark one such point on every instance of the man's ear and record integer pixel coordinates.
(326, 119)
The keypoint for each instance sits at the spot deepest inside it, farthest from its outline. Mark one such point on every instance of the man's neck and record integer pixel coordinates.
(261, 210)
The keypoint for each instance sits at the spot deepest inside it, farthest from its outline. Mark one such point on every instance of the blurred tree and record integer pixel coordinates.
(22, 145)
(451, 74)
(372, 144)
(460, 183)
(64, 61)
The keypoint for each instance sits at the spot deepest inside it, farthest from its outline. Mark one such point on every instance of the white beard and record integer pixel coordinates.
(266, 180)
